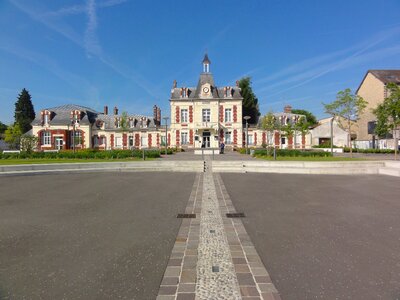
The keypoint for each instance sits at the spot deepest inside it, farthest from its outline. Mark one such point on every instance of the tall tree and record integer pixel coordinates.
(24, 111)
(310, 118)
(13, 136)
(268, 123)
(3, 127)
(250, 101)
(348, 107)
(388, 115)
(303, 126)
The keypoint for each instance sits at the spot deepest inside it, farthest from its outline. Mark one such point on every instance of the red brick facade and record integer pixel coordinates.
(178, 138)
(221, 113)
(277, 141)
(264, 138)
(149, 137)
(112, 141)
(234, 113)
(177, 114)
(191, 114)
(235, 139)
(137, 140)
(124, 141)
(191, 137)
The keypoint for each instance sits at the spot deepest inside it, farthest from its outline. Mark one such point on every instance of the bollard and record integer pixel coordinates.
(274, 153)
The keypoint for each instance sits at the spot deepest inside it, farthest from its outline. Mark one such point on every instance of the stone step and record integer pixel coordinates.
(390, 171)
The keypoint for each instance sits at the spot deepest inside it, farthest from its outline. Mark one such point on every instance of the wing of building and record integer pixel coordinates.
(373, 89)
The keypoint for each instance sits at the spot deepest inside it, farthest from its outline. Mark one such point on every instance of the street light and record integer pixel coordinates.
(333, 118)
(247, 132)
(166, 134)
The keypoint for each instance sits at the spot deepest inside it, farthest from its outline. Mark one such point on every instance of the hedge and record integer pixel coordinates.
(382, 151)
(291, 153)
(84, 154)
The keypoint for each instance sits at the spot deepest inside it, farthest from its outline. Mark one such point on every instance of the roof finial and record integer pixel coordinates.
(206, 64)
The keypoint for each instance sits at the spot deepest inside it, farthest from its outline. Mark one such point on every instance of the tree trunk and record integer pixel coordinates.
(351, 148)
(396, 144)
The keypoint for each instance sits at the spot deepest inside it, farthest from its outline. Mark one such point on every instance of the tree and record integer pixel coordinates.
(250, 101)
(12, 136)
(29, 143)
(303, 126)
(24, 111)
(288, 129)
(388, 115)
(3, 127)
(311, 119)
(268, 123)
(348, 107)
(124, 121)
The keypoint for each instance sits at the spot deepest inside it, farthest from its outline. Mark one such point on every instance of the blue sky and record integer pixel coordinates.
(127, 53)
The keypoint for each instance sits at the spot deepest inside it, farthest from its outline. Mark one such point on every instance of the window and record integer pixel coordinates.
(283, 141)
(118, 142)
(228, 137)
(250, 139)
(131, 141)
(228, 115)
(184, 138)
(184, 115)
(144, 141)
(118, 123)
(163, 140)
(77, 140)
(102, 140)
(131, 123)
(206, 115)
(46, 138)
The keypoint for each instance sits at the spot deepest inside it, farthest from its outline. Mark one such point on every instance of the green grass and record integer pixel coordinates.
(64, 161)
(329, 158)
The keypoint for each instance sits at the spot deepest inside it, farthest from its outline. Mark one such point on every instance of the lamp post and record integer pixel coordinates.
(333, 118)
(166, 134)
(247, 118)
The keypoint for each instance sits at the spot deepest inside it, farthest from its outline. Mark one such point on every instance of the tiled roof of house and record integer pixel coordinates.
(194, 92)
(61, 115)
(387, 76)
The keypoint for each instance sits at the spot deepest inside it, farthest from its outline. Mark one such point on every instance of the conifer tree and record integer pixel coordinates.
(24, 111)
(250, 101)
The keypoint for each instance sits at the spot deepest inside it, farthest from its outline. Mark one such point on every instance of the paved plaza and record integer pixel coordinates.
(116, 235)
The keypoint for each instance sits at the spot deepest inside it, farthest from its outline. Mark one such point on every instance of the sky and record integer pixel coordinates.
(127, 53)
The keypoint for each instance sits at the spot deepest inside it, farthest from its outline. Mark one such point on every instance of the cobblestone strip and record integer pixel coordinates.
(179, 281)
(216, 278)
(254, 280)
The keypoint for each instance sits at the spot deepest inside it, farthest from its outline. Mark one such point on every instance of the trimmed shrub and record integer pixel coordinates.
(291, 153)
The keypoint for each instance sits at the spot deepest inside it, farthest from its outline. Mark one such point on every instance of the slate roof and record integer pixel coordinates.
(194, 92)
(385, 76)
(61, 115)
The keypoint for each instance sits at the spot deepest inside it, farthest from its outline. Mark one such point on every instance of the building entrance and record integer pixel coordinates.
(59, 143)
(206, 140)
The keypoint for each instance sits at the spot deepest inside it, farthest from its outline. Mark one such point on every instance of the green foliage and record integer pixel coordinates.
(3, 127)
(29, 143)
(356, 150)
(302, 125)
(24, 111)
(268, 123)
(250, 101)
(325, 145)
(124, 121)
(288, 129)
(388, 112)
(310, 118)
(291, 153)
(83, 154)
(12, 136)
(347, 107)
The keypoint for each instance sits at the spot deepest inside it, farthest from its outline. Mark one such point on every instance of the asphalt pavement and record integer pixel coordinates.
(324, 237)
(88, 236)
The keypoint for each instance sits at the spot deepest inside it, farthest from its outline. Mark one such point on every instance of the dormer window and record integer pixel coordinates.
(228, 91)
(144, 122)
(184, 93)
(117, 122)
(131, 123)
(46, 117)
(75, 117)
(46, 120)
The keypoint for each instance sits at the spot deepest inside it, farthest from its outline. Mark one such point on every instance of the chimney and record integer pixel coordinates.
(287, 109)
(159, 115)
(155, 113)
(106, 110)
(115, 110)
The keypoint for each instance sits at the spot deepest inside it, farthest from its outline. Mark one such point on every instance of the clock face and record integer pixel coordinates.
(206, 90)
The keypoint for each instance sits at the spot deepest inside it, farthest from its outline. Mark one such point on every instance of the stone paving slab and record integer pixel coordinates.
(213, 256)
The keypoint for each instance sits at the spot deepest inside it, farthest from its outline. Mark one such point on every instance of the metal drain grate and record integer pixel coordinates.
(186, 216)
(235, 215)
